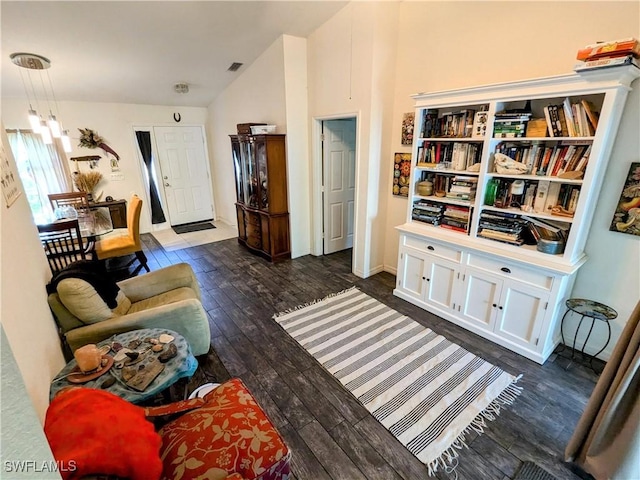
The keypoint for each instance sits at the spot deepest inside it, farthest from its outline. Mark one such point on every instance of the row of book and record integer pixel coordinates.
(457, 124)
(539, 196)
(571, 119)
(459, 155)
(548, 160)
(452, 217)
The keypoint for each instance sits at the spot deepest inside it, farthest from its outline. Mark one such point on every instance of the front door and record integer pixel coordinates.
(185, 174)
(339, 179)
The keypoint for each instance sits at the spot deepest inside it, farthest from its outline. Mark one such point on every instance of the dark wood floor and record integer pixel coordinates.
(330, 434)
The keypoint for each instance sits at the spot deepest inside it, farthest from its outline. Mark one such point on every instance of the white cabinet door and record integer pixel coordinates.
(440, 277)
(521, 310)
(411, 275)
(480, 302)
(427, 278)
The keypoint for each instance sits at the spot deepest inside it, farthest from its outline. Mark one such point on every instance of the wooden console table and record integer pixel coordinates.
(117, 210)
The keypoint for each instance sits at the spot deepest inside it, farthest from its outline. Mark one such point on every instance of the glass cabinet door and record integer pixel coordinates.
(239, 170)
(251, 179)
(261, 163)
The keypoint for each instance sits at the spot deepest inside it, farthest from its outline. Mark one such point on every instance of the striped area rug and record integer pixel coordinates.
(426, 390)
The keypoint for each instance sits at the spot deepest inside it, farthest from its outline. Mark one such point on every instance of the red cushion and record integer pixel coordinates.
(229, 434)
(97, 432)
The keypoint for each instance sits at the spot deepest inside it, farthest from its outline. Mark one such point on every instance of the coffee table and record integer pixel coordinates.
(184, 364)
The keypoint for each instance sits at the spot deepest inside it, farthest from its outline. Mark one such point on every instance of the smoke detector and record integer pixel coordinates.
(234, 66)
(181, 87)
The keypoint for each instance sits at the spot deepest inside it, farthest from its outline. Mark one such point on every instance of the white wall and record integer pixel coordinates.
(297, 128)
(503, 41)
(24, 311)
(256, 96)
(351, 71)
(114, 122)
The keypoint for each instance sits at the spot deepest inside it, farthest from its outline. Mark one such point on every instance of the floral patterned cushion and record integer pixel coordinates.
(229, 434)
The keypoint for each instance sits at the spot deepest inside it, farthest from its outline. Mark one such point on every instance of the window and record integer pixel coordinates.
(41, 169)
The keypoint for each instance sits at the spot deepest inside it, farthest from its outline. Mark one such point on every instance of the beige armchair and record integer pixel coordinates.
(166, 298)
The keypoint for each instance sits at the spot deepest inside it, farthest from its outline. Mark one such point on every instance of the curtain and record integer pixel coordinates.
(144, 142)
(605, 441)
(42, 169)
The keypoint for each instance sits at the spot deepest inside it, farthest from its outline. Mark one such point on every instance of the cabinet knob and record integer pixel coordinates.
(166, 184)
(429, 247)
(500, 307)
(494, 305)
(505, 270)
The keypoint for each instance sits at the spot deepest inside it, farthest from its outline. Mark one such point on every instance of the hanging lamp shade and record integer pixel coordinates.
(45, 133)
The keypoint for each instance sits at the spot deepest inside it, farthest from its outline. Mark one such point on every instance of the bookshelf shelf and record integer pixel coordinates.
(534, 178)
(510, 287)
(451, 139)
(517, 211)
(450, 201)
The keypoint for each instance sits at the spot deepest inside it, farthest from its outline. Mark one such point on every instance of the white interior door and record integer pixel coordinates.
(339, 179)
(185, 174)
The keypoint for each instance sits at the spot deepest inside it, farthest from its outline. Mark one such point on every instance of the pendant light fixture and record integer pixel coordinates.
(51, 128)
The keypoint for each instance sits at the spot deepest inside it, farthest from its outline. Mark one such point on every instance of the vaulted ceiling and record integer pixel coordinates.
(135, 51)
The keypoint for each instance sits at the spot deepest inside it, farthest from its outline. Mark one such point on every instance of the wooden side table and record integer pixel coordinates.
(594, 311)
(184, 364)
(117, 210)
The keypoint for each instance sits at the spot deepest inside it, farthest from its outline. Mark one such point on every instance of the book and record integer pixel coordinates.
(592, 115)
(541, 196)
(552, 197)
(606, 62)
(547, 116)
(568, 114)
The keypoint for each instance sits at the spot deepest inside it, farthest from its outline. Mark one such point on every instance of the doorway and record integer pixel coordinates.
(184, 174)
(338, 140)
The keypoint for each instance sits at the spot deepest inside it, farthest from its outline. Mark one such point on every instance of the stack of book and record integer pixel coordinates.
(456, 218)
(510, 125)
(427, 212)
(548, 160)
(608, 54)
(463, 188)
(502, 227)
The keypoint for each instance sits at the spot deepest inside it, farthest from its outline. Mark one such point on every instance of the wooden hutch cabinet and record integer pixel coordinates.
(261, 187)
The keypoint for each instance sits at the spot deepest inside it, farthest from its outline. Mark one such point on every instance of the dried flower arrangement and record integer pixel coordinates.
(86, 182)
(91, 139)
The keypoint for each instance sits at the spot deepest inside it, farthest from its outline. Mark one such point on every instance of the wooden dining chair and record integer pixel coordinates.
(77, 200)
(128, 243)
(62, 242)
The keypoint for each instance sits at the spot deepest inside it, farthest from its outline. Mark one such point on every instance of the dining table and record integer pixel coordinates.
(94, 223)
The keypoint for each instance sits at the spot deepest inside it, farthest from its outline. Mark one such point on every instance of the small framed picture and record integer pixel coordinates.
(401, 174)
(626, 218)
(407, 128)
(480, 124)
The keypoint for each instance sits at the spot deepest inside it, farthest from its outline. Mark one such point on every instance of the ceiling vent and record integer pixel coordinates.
(234, 67)
(181, 87)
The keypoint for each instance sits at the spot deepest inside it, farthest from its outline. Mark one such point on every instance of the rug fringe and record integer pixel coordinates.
(490, 413)
(318, 300)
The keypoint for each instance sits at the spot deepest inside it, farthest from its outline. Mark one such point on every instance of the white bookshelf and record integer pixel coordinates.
(511, 294)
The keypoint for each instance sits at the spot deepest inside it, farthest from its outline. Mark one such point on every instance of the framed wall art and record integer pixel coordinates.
(9, 178)
(626, 218)
(401, 174)
(407, 128)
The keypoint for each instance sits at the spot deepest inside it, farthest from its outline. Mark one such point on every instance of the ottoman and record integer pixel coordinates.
(224, 435)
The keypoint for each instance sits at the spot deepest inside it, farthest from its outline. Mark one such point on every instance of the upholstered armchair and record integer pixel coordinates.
(165, 298)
